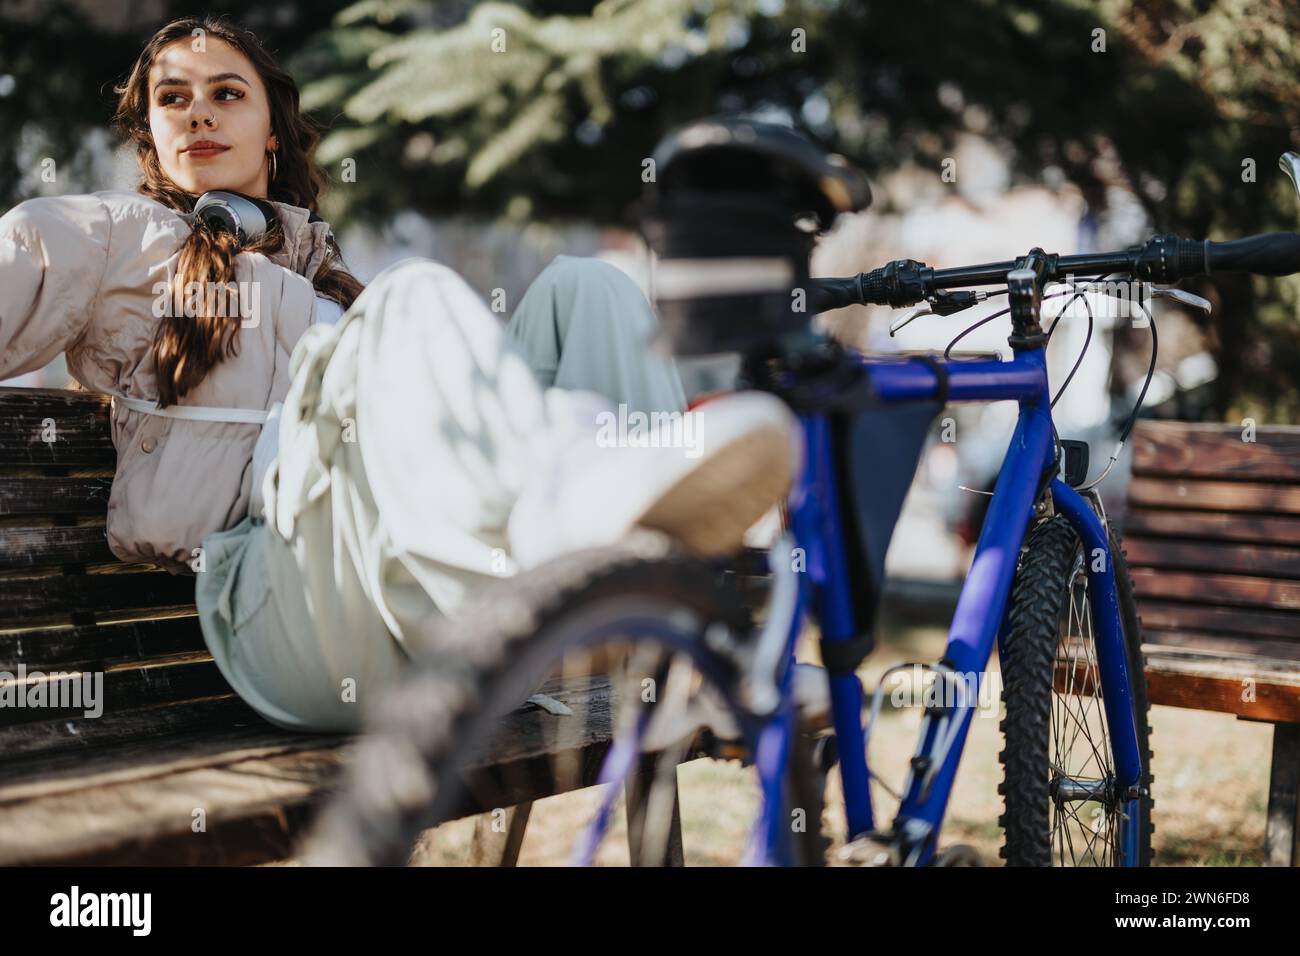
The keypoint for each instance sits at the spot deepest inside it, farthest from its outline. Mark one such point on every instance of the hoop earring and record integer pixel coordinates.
(274, 170)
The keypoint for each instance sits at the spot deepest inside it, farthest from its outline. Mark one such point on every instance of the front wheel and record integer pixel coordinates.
(1058, 788)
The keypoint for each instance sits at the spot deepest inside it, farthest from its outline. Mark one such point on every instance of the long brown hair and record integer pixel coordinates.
(187, 347)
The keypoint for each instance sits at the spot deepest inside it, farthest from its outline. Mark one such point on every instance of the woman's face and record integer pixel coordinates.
(210, 118)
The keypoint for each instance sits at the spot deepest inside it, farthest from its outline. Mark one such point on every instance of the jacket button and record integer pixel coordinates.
(147, 445)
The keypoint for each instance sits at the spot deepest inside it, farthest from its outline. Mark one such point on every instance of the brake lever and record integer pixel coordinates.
(1183, 297)
(941, 303)
(1290, 164)
(912, 313)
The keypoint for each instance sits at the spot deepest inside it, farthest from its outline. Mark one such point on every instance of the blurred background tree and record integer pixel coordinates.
(546, 110)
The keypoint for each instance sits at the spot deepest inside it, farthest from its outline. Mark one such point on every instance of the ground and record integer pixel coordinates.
(1211, 788)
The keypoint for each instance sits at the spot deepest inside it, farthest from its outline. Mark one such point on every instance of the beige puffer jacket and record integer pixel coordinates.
(81, 275)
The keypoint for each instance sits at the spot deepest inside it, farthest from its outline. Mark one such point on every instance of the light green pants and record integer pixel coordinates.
(407, 434)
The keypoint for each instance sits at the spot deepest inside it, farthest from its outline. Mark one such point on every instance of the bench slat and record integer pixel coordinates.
(1230, 645)
(1247, 685)
(1217, 682)
(1174, 615)
(47, 739)
(44, 600)
(1209, 450)
(124, 804)
(1213, 557)
(30, 548)
(126, 688)
(1207, 495)
(54, 427)
(99, 644)
(1233, 589)
(1247, 529)
(54, 496)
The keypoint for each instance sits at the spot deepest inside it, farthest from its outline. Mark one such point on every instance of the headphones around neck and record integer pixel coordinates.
(223, 211)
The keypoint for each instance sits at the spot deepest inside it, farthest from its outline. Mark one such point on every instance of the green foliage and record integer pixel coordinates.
(555, 119)
(507, 108)
(1169, 98)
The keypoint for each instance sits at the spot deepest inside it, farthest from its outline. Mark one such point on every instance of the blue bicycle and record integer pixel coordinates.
(677, 664)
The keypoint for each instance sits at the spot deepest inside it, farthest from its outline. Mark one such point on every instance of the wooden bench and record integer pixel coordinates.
(177, 769)
(1212, 532)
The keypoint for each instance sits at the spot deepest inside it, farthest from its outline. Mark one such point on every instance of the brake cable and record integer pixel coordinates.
(1137, 406)
(1087, 340)
(947, 352)
(1080, 294)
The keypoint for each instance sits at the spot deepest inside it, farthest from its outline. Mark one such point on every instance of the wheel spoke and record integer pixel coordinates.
(1078, 711)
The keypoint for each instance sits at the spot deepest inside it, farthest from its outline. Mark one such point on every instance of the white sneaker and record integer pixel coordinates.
(703, 476)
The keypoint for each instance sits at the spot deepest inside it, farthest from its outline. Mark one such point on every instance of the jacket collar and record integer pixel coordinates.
(305, 242)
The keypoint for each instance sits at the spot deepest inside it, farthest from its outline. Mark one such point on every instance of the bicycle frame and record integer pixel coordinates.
(979, 620)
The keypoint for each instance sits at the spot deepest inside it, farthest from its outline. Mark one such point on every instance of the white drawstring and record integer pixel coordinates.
(200, 413)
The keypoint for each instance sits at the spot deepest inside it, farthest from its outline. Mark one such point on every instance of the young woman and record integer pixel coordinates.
(340, 467)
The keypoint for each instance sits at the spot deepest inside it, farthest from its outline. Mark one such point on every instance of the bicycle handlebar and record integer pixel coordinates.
(1163, 258)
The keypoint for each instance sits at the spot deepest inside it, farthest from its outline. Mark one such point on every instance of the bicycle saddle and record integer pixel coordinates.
(727, 214)
(736, 154)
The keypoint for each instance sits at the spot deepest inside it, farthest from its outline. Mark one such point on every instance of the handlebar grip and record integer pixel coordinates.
(827, 294)
(1270, 254)
(901, 283)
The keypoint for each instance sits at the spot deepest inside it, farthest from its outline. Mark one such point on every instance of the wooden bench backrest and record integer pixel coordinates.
(68, 605)
(1212, 534)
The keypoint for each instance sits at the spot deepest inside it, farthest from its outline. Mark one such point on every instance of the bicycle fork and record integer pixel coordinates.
(981, 617)
(979, 621)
